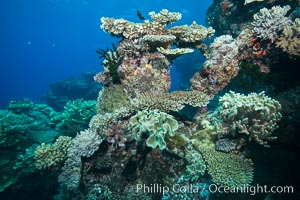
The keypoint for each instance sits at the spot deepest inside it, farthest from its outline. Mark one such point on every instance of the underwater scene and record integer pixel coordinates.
(150, 99)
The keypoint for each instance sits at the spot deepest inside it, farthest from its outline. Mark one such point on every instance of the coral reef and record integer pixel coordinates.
(233, 16)
(140, 133)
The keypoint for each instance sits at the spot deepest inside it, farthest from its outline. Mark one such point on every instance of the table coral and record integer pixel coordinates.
(227, 169)
(167, 102)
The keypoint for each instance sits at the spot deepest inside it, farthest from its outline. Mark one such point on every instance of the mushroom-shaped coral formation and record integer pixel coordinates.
(155, 125)
(145, 52)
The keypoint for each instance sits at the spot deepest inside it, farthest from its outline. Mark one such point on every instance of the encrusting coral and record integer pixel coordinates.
(111, 98)
(221, 66)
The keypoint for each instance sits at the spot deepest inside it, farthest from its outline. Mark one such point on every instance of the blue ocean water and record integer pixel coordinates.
(49, 40)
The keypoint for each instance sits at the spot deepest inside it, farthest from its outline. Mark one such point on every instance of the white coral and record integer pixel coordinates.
(268, 23)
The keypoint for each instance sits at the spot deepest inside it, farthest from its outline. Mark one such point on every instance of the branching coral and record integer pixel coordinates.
(269, 23)
(196, 166)
(50, 155)
(254, 115)
(156, 126)
(289, 41)
(75, 117)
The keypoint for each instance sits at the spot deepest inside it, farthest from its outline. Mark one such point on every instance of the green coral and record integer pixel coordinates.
(207, 133)
(227, 169)
(155, 125)
(50, 155)
(13, 126)
(26, 162)
(20, 106)
(196, 166)
(75, 117)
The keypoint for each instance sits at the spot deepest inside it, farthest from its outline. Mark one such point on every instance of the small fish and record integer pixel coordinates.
(140, 16)
(250, 1)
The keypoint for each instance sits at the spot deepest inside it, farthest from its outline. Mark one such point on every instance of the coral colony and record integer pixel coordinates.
(138, 135)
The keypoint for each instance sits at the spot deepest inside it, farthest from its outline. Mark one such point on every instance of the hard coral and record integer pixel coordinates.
(289, 41)
(268, 23)
(227, 169)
